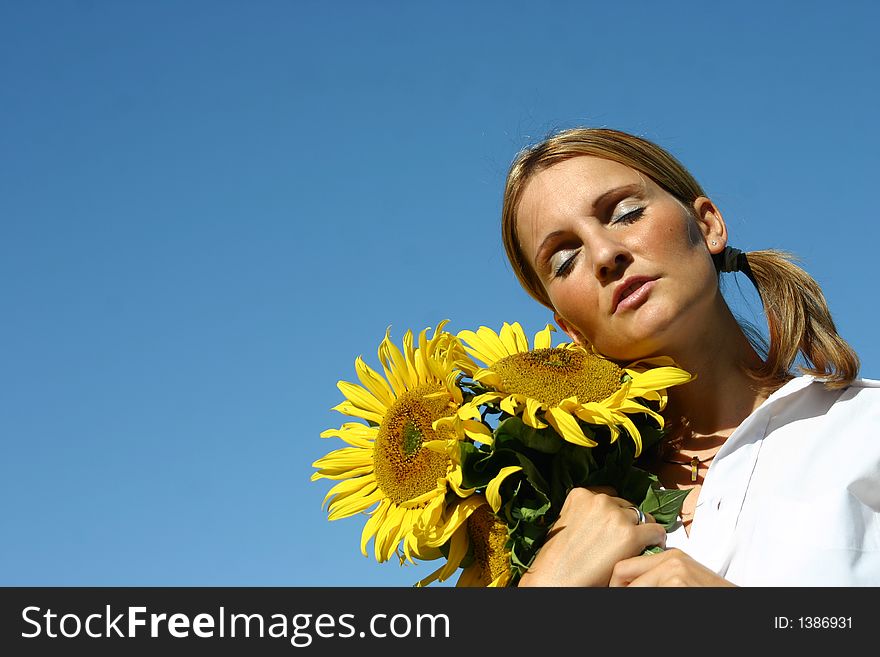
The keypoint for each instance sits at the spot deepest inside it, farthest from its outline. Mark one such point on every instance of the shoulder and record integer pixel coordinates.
(807, 394)
(860, 396)
(832, 416)
(826, 439)
(866, 384)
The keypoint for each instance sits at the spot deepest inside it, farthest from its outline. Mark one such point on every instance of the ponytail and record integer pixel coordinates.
(798, 320)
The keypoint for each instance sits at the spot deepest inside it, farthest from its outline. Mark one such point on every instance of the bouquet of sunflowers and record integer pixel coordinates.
(467, 445)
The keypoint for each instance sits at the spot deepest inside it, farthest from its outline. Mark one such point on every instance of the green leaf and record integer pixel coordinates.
(476, 471)
(545, 441)
(531, 510)
(636, 485)
(529, 470)
(664, 505)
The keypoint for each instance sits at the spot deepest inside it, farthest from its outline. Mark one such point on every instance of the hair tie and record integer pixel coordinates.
(732, 259)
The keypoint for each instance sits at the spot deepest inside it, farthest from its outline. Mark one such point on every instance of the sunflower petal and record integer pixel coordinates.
(458, 546)
(354, 433)
(567, 427)
(347, 408)
(373, 524)
(530, 413)
(352, 506)
(493, 494)
(543, 339)
(374, 382)
(349, 487)
(346, 457)
(508, 338)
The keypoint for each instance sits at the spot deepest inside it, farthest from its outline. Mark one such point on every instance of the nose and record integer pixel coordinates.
(610, 257)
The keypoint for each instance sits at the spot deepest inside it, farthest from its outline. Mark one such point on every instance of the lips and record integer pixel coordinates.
(631, 292)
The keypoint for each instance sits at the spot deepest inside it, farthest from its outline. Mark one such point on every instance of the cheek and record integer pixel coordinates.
(675, 241)
(695, 237)
(578, 307)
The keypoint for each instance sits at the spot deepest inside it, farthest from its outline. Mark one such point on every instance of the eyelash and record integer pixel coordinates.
(627, 218)
(562, 270)
(631, 216)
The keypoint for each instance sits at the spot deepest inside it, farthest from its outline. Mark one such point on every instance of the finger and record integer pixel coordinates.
(607, 490)
(648, 579)
(641, 517)
(636, 571)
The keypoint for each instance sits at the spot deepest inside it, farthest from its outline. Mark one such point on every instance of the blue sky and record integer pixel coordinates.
(209, 209)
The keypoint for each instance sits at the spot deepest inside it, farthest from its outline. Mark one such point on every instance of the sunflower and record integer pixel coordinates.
(566, 383)
(387, 463)
(476, 541)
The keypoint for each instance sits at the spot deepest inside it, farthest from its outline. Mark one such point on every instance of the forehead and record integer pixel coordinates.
(584, 176)
(572, 187)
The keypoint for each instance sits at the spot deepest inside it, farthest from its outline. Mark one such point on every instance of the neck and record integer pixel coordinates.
(722, 395)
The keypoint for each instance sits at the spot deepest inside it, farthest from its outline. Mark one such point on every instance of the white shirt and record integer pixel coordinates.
(793, 495)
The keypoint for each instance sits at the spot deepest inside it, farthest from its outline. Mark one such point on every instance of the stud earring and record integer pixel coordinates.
(714, 243)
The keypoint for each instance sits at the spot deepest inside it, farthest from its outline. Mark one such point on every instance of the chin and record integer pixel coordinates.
(653, 339)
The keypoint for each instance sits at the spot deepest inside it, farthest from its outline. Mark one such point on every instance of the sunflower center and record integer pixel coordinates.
(488, 537)
(551, 375)
(403, 469)
(412, 438)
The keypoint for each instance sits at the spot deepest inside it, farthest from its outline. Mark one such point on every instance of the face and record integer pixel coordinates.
(627, 267)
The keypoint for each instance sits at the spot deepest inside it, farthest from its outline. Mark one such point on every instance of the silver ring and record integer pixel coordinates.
(640, 515)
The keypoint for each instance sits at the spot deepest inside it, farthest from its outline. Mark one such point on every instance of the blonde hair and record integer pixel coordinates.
(797, 314)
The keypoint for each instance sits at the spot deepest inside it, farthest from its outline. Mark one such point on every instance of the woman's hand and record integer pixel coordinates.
(669, 568)
(594, 531)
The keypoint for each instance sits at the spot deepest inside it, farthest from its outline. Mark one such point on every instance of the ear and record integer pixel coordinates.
(569, 330)
(711, 224)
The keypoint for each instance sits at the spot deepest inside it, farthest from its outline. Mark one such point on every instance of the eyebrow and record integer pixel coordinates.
(602, 199)
(619, 192)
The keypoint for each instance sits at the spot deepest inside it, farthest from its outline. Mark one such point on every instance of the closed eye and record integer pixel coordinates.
(630, 216)
(563, 261)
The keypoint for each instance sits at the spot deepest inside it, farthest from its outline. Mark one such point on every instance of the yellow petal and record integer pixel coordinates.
(347, 408)
(394, 380)
(488, 378)
(484, 345)
(352, 506)
(347, 473)
(372, 525)
(509, 404)
(543, 339)
(455, 517)
(530, 413)
(458, 547)
(426, 497)
(349, 487)
(373, 382)
(493, 495)
(453, 479)
(385, 544)
(508, 338)
(395, 359)
(567, 427)
(354, 433)
(477, 431)
(494, 341)
(345, 457)
(361, 397)
(661, 377)
(521, 342)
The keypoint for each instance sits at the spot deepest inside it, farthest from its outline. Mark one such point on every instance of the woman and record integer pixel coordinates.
(619, 241)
